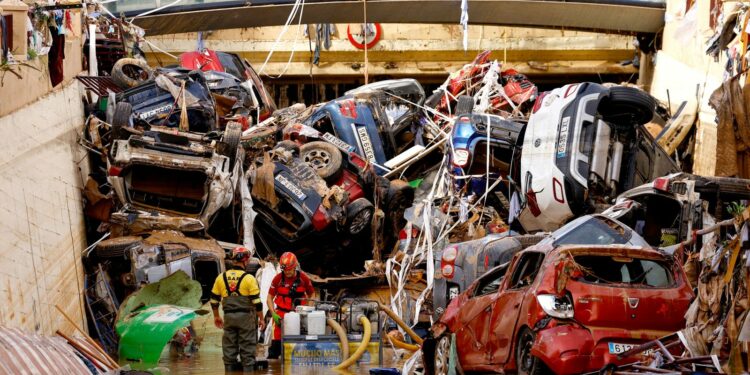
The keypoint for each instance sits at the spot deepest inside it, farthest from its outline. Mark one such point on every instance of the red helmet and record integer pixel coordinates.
(240, 254)
(288, 261)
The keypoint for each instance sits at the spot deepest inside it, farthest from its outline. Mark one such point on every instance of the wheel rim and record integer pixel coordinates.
(318, 159)
(442, 354)
(360, 221)
(526, 360)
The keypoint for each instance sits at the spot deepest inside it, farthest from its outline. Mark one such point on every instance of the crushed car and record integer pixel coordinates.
(176, 175)
(319, 198)
(134, 261)
(585, 144)
(562, 308)
(669, 209)
(459, 264)
(383, 123)
(208, 60)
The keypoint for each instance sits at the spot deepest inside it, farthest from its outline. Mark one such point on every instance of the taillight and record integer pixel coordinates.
(320, 219)
(403, 234)
(447, 262)
(114, 171)
(661, 183)
(357, 161)
(460, 157)
(538, 103)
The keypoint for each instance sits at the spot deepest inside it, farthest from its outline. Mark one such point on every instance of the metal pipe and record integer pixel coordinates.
(362, 345)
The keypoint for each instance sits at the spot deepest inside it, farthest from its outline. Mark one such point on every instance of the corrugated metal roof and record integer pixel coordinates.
(29, 353)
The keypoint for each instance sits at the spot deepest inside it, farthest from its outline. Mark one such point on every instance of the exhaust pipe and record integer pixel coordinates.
(601, 150)
(613, 177)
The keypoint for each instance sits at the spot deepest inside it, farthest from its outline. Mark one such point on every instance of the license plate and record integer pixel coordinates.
(341, 145)
(562, 143)
(364, 140)
(615, 348)
(290, 187)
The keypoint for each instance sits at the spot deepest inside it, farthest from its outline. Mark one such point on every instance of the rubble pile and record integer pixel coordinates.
(432, 196)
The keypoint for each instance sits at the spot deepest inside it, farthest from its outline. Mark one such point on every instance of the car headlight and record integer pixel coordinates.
(556, 307)
(460, 157)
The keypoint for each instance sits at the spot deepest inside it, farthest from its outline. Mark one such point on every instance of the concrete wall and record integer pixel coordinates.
(41, 219)
(415, 50)
(684, 70)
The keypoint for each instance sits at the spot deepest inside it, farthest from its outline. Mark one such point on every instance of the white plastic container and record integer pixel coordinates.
(291, 324)
(316, 323)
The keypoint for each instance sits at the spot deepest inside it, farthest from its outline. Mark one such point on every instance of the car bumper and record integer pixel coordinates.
(570, 349)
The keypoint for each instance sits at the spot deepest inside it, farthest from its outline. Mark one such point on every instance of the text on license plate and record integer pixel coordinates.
(615, 348)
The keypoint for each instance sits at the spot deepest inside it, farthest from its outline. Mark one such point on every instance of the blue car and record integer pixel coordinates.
(382, 122)
(483, 147)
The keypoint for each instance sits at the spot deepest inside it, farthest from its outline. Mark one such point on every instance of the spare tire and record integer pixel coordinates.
(121, 118)
(627, 106)
(116, 247)
(324, 158)
(465, 105)
(129, 72)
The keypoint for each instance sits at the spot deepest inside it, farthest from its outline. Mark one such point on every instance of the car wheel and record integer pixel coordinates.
(324, 158)
(359, 214)
(626, 106)
(129, 72)
(116, 247)
(232, 135)
(526, 363)
(465, 105)
(121, 118)
(442, 355)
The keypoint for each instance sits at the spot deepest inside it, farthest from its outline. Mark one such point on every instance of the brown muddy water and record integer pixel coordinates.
(208, 358)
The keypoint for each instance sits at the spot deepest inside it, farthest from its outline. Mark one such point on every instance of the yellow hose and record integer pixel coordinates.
(362, 345)
(402, 345)
(342, 337)
(414, 336)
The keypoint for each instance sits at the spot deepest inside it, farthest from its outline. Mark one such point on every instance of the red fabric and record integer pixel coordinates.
(281, 289)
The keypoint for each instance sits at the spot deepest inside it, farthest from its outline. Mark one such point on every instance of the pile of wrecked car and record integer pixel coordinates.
(564, 191)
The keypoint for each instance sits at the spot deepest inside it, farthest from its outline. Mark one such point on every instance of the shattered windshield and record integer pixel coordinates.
(596, 231)
(637, 272)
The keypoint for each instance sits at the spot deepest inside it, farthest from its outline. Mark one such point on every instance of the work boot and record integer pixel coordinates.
(275, 350)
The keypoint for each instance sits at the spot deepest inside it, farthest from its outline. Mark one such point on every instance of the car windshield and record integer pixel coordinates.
(605, 269)
(597, 231)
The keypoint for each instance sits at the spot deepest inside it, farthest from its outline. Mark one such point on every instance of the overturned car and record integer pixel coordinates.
(584, 144)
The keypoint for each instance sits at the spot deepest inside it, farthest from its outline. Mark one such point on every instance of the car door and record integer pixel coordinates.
(508, 304)
(473, 336)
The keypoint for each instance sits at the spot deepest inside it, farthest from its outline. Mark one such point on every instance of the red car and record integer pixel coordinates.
(562, 309)
(208, 60)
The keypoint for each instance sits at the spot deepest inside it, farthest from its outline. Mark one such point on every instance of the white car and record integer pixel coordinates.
(583, 145)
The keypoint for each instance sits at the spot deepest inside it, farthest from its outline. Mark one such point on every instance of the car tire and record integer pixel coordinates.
(121, 118)
(128, 72)
(359, 216)
(627, 105)
(324, 158)
(465, 105)
(231, 137)
(116, 247)
(527, 364)
(442, 355)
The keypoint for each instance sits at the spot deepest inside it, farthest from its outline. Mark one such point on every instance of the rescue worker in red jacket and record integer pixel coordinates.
(286, 288)
(239, 295)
